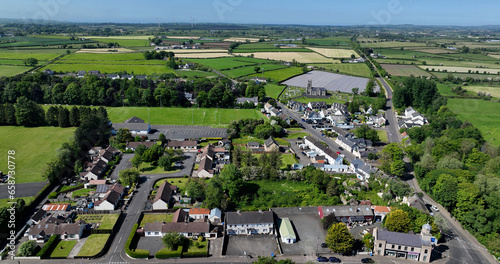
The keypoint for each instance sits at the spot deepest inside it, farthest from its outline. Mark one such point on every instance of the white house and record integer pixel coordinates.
(286, 231)
(53, 226)
(163, 196)
(215, 215)
(199, 213)
(250, 223)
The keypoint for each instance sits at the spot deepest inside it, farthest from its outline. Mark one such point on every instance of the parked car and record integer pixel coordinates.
(435, 208)
(324, 245)
(334, 259)
(322, 259)
(367, 260)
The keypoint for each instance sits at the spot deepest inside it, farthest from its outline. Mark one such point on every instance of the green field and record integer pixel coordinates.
(482, 114)
(125, 42)
(104, 57)
(11, 70)
(382, 135)
(273, 90)
(27, 41)
(156, 218)
(34, 148)
(190, 73)
(279, 75)
(182, 116)
(227, 62)
(111, 68)
(94, 244)
(63, 248)
(404, 70)
(392, 44)
(494, 91)
(466, 75)
(357, 69)
(16, 55)
(243, 71)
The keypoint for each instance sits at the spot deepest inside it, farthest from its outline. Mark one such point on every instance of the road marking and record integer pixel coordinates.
(120, 240)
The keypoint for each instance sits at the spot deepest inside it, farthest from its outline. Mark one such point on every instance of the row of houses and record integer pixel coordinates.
(97, 162)
(211, 160)
(113, 76)
(322, 152)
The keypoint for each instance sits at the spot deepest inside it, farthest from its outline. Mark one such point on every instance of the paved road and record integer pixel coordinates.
(316, 133)
(392, 126)
(124, 164)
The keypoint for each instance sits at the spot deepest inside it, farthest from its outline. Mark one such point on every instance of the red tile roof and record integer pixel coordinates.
(198, 211)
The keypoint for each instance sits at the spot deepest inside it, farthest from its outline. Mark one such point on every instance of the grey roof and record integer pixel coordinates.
(185, 143)
(134, 119)
(348, 210)
(253, 144)
(113, 75)
(235, 218)
(141, 77)
(107, 155)
(191, 227)
(216, 212)
(133, 144)
(131, 126)
(269, 142)
(242, 100)
(102, 188)
(331, 81)
(404, 239)
(39, 215)
(101, 163)
(112, 197)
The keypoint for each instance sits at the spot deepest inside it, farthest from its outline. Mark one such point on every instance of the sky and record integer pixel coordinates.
(306, 12)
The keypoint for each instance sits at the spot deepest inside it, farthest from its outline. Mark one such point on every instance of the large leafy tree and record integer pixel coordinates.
(398, 221)
(165, 162)
(338, 238)
(28, 248)
(28, 113)
(123, 135)
(195, 189)
(445, 190)
(174, 240)
(129, 176)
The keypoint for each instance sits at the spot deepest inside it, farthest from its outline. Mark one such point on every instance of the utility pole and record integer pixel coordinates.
(262, 72)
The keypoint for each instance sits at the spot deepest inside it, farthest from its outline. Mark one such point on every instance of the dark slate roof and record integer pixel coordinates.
(131, 126)
(180, 216)
(134, 119)
(101, 163)
(348, 210)
(113, 75)
(269, 141)
(112, 197)
(253, 144)
(141, 77)
(404, 239)
(107, 155)
(38, 215)
(185, 143)
(133, 144)
(191, 227)
(97, 170)
(235, 218)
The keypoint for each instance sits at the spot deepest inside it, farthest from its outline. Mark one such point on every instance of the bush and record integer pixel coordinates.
(167, 253)
(48, 247)
(194, 254)
(28, 248)
(53, 195)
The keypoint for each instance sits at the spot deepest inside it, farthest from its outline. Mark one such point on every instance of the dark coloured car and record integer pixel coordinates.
(367, 260)
(334, 259)
(324, 245)
(322, 259)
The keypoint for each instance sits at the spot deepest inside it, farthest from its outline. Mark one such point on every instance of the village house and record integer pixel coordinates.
(253, 145)
(111, 198)
(252, 100)
(317, 105)
(404, 246)
(163, 196)
(319, 149)
(363, 170)
(52, 226)
(186, 145)
(132, 145)
(250, 223)
(199, 213)
(188, 230)
(271, 145)
(215, 215)
(286, 231)
(296, 106)
(347, 213)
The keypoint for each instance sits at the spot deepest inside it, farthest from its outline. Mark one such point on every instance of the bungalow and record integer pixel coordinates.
(250, 223)
(132, 145)
(199, 213)
(189, 229)
(252, 100)
(188, 66)
(163, 196)
(187, 145)
(81, 74)
(136, 126)
(271, 145)
(37, 217)
(127, 76)
(286, 231)
(113, 76)
(317, 105)
(50, 226)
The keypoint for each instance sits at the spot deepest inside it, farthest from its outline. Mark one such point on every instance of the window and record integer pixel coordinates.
(399, 247)
(380, 245)
(412, 249)
(425, 251)
(392, 246)
(406, 248)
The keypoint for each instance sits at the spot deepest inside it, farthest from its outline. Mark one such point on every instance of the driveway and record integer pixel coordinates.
(303, 159)
(124, 164)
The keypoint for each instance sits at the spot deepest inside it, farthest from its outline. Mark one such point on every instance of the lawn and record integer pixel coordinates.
(34, 148)
(302, 57)
(82, 192)
(5, 202)
(243, 71)
(94, 244)
(295, 135)
(382, 135)
(273, 90)
(482, 114)
(330, 100)
(182, 116)
(147, 168)
(179, 182)
(12, 70)
(156, 218)
(288, 159)
(63, 248)
(280, 75)
(357, 69)
(203, 247)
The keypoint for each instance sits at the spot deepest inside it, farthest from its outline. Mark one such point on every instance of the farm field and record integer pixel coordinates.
(105, 51)
(233, 39)
(26, 41)
(110, 68)
(189, 73)
(334, 53)
(331, 41)
(179, 51)
(494, 91)
(120, 37)
(467, 75)
(203, 55)
(392, 44)
(496, 56)
(357, 69)
(280, 75)
(445, 89)
(34, 147)
(182, 116)
(15, 55)
(462, 69)
(404, 70)
(182, 37)
(11, 70)
(273, 90)
(482, 114)
(104, 57)
(247, 70)
(94, 244)
(125, 42)
(228, 62)
(302, 57)
(434, 50)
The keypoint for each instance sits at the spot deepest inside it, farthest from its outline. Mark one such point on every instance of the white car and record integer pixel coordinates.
(433, 207)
